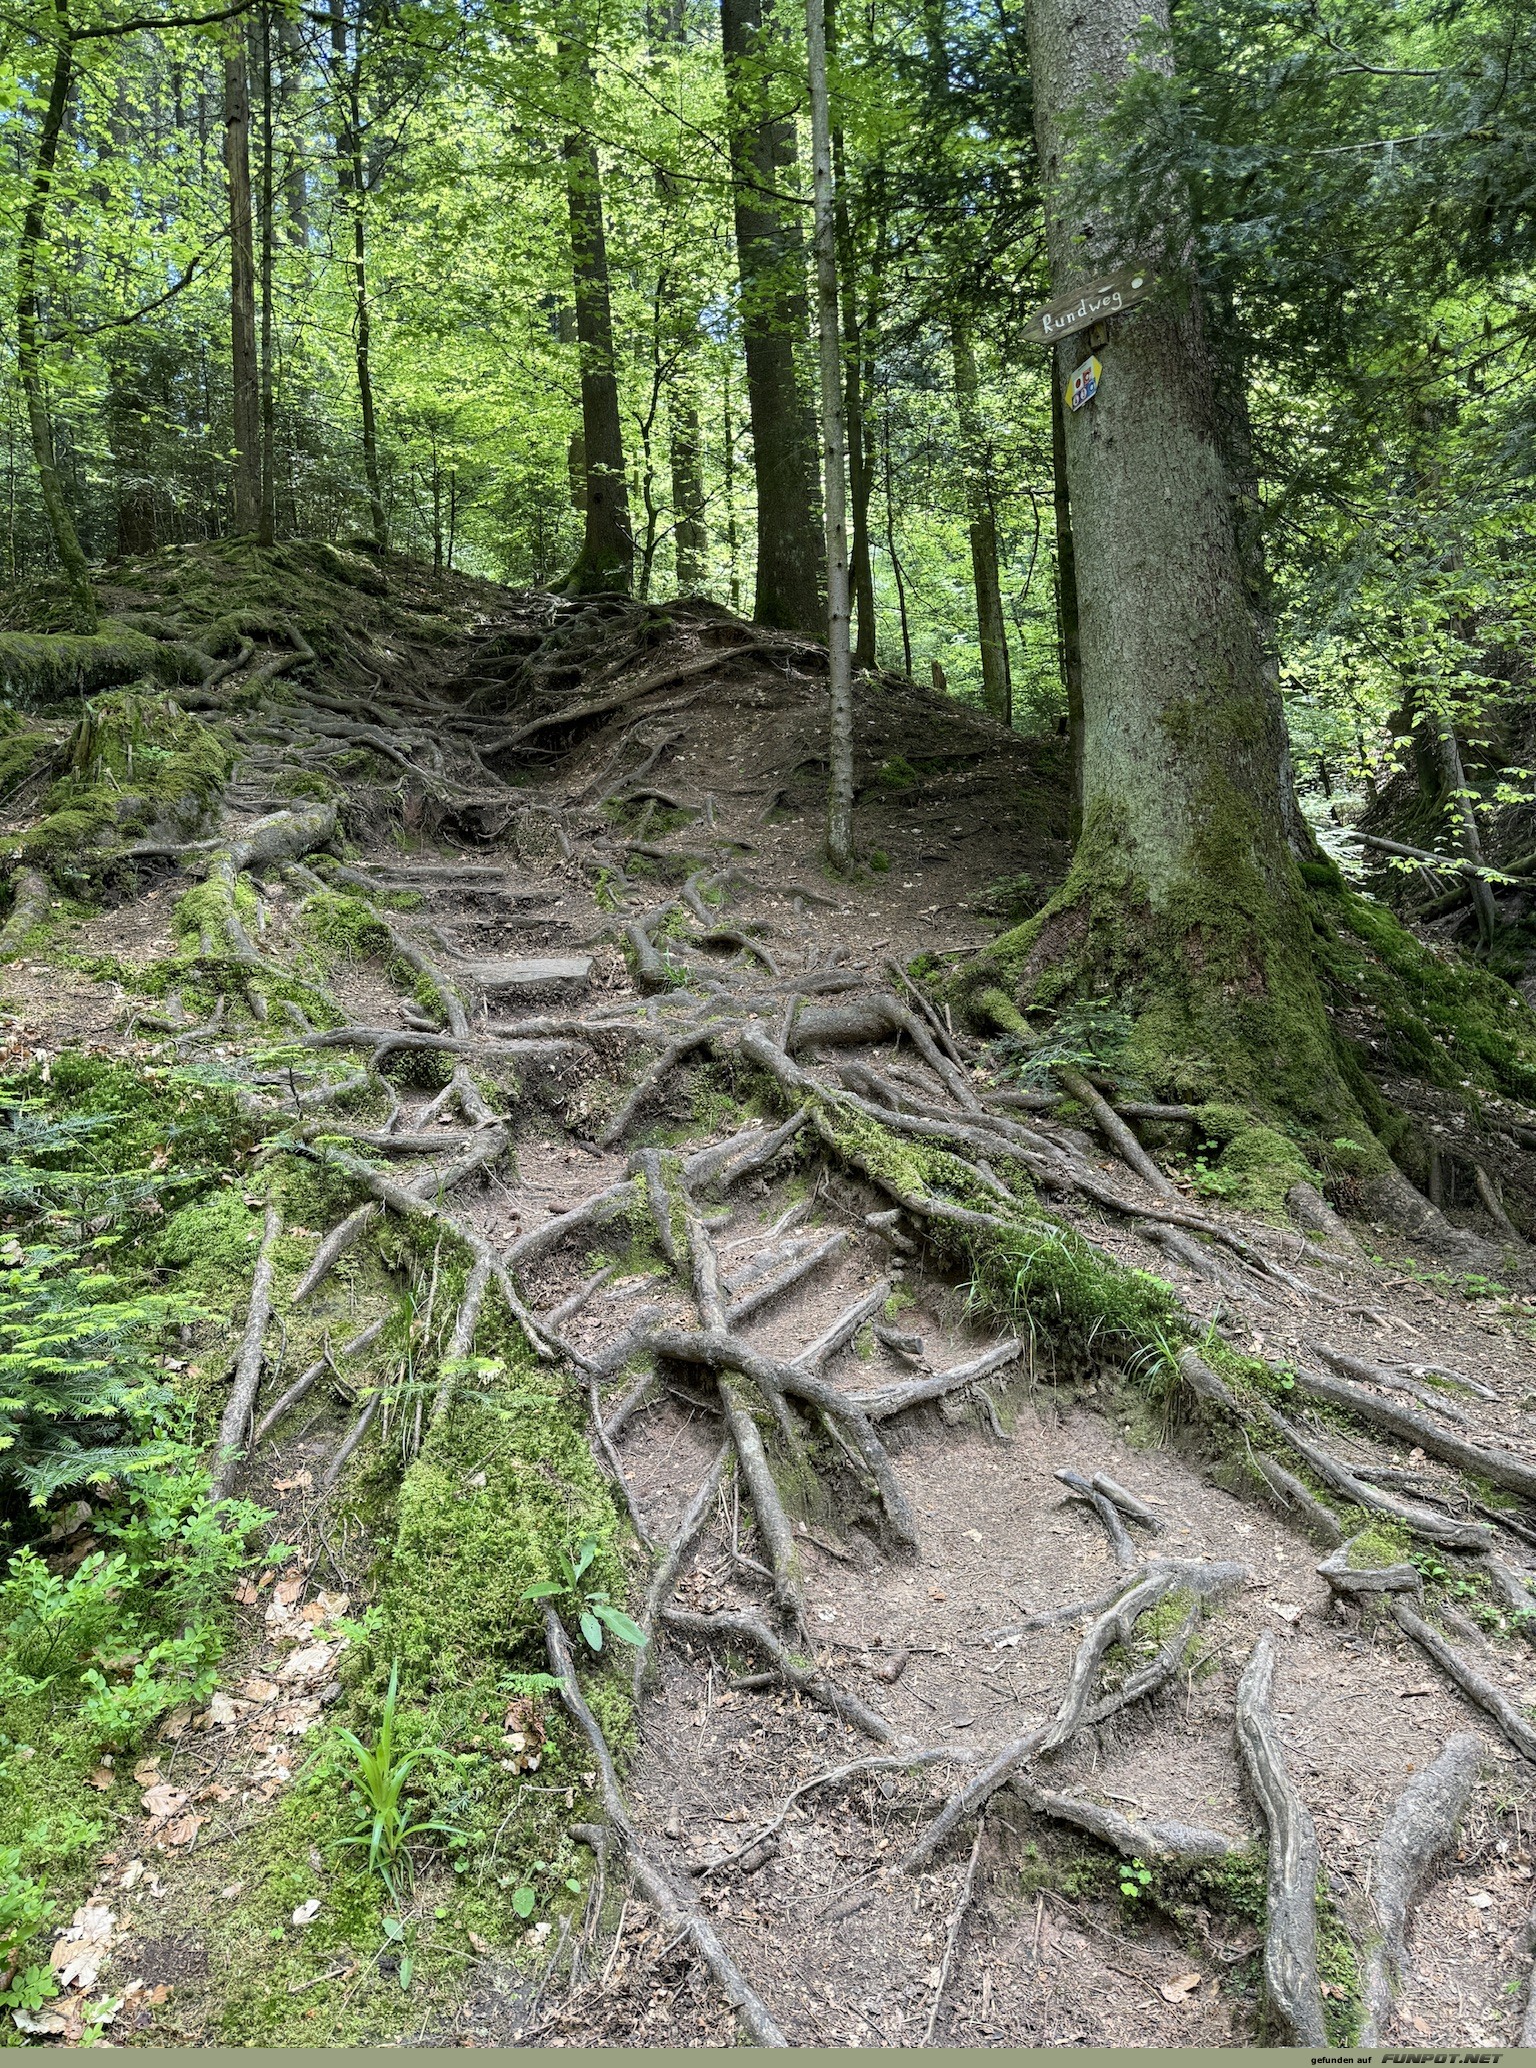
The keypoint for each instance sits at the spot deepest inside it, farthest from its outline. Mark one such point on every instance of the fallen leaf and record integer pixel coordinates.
(247, 1594)
(309, 1663)
(937, 1594)
(480, 1945)
(258, 1690)
(234, 1889)
(307, 1910)
(214, 1792)
(131, 1874)
(79, 1953)
(288, 1591)
(1286, 1610)
(163, 1800)
(1180, 1987)
(301, 1482)
(146, 1773)
(102, 1778)
(176, 1722)
(182, 1830)
(221, 1712)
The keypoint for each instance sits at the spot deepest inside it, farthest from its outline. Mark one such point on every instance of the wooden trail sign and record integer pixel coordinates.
(1087, 305)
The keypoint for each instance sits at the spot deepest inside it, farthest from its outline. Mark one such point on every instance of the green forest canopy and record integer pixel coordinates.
(1358, 180)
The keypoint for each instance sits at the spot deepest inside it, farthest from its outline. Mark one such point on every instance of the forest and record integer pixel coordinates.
(768, 1023)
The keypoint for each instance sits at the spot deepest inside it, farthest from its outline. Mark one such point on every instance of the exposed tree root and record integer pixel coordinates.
(1290, 1942)
(1171, 1843)
(1115, 1626)
(307, 1379)
(654, 1883)
(954, 1928)
(809, 1681)
(1422, 1823)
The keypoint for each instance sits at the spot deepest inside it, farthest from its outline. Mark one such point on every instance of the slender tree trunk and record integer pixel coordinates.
(770, 258)
(1459, 792)
(890, 547)
(690, 539)
(242, 282)
(732, 532)
(830, 358)
(606, 559)
(1183, 898)
(29, 340)
(991, 629)
(352, 182)
(861, 470)
(267, 530)
(1068, 635)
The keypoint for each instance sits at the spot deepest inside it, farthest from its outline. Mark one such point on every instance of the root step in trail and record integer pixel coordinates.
(992, 1505)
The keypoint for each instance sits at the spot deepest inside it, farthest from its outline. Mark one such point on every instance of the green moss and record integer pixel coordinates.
(1380, 1544)
(134, 762)
(346, 929)
(1261, 1165)
(1338, 1967)
(1434, 1015)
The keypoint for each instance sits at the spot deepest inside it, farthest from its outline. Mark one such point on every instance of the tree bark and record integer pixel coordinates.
(770, 259)
(690, 539)
(352, 184)
(1069, 637)
(991, 631)
(29, 340)
(267, 527)
(607, 556)
(245, 381)
(830, 357)
(1184, 898)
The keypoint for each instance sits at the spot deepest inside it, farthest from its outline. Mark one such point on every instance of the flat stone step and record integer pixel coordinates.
(533, 973)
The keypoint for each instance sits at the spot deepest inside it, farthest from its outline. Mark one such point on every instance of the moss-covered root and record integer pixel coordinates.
(37, 669)
(1290, 1947)
(1422, 1823)
(29, 908)
(211, 913)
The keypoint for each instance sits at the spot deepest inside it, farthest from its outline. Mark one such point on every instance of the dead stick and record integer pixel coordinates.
(242, 1393)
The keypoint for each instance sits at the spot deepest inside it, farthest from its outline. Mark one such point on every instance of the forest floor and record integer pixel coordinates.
(578, 894)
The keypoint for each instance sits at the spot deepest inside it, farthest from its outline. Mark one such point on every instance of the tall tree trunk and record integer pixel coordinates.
(352, 182)
(991, 629)
(242, 282)
(861, 470)
(290, 73)
(728, 468)
(267, 529)
(29, 339)
(1470, 839)
(1068, 635)
(770, 259)
(606, 559)
(1184, 900)
(690, 539)
(830, 361)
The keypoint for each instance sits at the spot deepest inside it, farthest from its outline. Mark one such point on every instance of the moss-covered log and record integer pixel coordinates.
(38, 668)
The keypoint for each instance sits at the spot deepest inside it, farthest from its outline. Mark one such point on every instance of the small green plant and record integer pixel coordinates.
(1135, 1880)
(593, 1610)
(24, 1910)
(380, 1772)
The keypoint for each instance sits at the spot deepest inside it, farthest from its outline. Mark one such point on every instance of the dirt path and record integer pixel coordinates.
(907, 1595)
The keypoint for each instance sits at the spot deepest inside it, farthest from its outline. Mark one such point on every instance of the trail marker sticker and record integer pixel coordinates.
(1084, 384)
(1088, 305)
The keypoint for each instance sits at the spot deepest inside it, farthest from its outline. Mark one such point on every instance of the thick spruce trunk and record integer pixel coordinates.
(1184, 903)
(607, 556)
(770, 254)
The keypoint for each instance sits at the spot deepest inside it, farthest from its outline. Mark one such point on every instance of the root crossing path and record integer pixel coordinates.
(1056, 1586)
